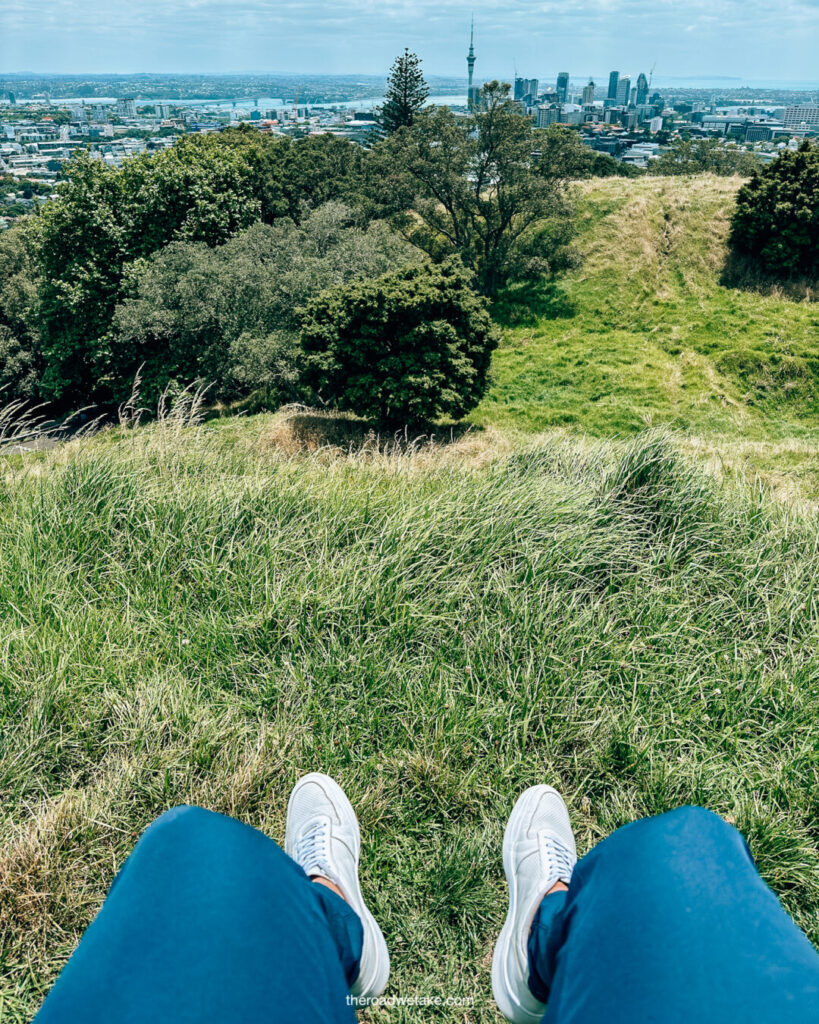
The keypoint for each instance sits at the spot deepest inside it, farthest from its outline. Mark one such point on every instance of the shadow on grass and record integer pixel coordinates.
(303, 429)
(740, 272)
(526, 304)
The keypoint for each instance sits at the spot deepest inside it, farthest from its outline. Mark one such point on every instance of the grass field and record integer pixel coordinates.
(203, 613)
(644, 333)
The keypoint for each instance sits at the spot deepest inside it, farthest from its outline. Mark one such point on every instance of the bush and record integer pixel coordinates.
(228, 315)
(776, 221)
(409, 348)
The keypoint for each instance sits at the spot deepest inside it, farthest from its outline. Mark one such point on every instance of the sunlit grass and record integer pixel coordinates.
(645, 333)
(200, 614)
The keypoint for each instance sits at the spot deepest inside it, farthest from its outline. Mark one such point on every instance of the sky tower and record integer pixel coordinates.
(470, 63)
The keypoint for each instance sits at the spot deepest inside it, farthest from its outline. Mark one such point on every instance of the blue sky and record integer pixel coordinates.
(752, 39)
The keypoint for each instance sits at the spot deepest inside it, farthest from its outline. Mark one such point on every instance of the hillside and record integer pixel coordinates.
(644, 333)
(200, 613)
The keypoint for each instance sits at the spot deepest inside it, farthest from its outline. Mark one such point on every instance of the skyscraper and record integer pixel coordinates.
(520, 88)
(614, 81)
(470, 63)
(642, 89)
(588, 92)
(563, 86)
(623, 90)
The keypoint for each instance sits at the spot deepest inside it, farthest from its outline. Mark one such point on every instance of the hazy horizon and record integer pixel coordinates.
(705, 39)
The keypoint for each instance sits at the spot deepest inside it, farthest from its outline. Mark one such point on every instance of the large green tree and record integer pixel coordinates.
(470, 186)
(407, 92)
(775, 226)
(20, 355)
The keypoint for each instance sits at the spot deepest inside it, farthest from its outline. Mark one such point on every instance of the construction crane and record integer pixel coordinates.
(651, 75)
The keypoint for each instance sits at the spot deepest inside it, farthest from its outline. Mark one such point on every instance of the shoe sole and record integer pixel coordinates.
(501, 984)
(380, 970)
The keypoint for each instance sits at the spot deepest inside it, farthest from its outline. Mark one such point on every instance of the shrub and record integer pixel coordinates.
(776, 221)
(409, 348)
(227, 315)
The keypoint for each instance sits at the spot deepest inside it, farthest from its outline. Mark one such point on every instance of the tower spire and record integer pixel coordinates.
(470, 64)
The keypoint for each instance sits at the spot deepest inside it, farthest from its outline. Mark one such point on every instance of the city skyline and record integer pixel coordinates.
(749, 41)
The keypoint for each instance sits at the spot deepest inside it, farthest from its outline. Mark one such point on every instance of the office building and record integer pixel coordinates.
(547, 115)
(642, 89)
(588, 93)
(614, 81)
(801, 117)
(563, 86)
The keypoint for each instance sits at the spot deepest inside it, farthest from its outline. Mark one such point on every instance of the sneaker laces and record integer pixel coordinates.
(559, 857)
(313, 850)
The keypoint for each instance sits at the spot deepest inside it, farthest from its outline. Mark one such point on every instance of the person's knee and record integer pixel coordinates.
(662, 854)
(175, 825)
(694, 822)
(685, 831)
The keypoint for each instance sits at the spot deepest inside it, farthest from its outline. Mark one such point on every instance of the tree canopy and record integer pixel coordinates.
(206, 189)
(469, 186)
(229, 315)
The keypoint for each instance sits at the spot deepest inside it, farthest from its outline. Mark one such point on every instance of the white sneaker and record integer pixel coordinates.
(322, 836)
(538, 850)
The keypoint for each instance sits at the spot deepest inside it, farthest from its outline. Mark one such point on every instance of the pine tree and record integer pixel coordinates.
(407, 92)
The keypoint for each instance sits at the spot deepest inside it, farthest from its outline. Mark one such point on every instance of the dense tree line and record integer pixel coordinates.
(198, 262)
(705, 156)
(259, 263)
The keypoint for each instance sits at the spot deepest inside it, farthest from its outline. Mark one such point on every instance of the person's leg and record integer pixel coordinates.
(210, 921)
(668, 920)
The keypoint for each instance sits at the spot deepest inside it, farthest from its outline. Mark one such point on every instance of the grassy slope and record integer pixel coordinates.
(198, 616)
(194, 616)
(644, 333)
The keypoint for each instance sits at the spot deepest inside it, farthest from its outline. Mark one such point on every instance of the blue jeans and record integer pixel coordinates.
(665, 921)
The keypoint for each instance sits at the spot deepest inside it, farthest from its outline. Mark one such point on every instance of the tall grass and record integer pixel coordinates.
(190, 614)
